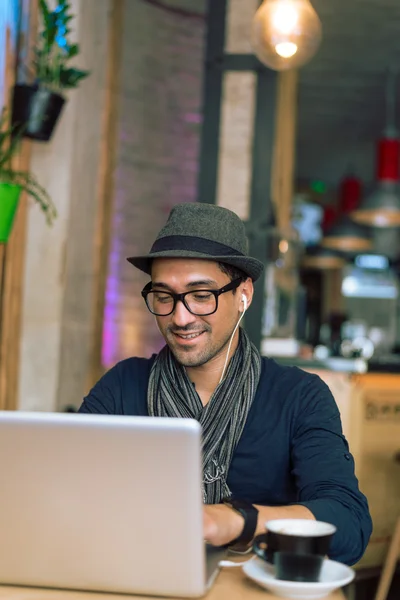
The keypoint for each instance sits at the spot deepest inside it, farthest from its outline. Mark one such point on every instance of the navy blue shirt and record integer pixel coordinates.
(292, 449)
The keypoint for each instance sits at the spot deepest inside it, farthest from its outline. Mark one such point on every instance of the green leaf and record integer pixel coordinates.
(30, 185)
(44, 9)
(54, 48)
(49, 23)
(71, 77)
(73, 50)
(10, 138)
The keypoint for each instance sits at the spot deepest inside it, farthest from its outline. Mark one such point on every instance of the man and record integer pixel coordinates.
(272, 437)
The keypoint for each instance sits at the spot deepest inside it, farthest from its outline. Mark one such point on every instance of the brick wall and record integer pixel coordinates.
(157, 159)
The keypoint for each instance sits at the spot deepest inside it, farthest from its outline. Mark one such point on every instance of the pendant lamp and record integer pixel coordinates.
(381, 208)
(320, 258)
(286, 33)
(345, 235)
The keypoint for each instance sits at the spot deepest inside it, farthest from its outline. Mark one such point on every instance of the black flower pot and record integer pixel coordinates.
(36, 109)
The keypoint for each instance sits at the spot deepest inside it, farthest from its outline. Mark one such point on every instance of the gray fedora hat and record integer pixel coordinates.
(206, 231)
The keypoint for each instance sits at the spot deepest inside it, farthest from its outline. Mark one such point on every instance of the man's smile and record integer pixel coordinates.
(186, 338)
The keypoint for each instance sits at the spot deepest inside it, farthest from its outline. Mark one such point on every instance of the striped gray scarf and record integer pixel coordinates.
(172, 394)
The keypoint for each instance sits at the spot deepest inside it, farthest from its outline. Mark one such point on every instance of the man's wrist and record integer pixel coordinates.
(222, 524)
(237, 522)
(248, 514)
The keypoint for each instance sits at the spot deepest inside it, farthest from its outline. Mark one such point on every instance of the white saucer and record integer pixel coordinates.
(334, 575)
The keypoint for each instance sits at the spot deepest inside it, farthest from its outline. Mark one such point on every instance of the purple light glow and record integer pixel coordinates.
(157, 166)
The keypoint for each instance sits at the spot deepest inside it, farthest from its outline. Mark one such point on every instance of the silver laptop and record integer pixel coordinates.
(103, 503)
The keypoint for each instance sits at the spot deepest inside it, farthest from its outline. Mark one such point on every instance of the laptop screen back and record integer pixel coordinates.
(104, 503)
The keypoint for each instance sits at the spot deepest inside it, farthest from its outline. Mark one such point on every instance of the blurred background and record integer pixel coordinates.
(115, 110)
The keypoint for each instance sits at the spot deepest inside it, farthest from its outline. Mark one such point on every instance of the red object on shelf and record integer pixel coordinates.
(349, 194)
(388, 159)
(328, 218)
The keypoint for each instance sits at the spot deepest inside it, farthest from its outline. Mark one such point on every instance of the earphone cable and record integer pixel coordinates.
(230, 343)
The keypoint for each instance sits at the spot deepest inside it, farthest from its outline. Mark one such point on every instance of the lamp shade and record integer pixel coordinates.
(347, 236)
(381, 208)
(320, 258)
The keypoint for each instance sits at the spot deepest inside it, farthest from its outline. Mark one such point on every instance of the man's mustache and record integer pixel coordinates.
(187, 329)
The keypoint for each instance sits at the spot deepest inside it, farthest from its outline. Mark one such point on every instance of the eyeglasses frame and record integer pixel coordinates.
(233, 285)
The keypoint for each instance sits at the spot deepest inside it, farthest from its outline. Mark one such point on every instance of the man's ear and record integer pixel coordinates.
(247, 291)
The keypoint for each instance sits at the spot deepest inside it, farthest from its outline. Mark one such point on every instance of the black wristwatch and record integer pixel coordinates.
(250, 515)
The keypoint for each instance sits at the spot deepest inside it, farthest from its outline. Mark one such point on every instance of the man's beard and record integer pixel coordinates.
(189, 357)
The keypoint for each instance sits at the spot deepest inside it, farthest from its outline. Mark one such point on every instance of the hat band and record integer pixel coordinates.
(191, 243)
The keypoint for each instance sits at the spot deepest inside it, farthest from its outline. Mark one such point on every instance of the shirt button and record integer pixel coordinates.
(347, 456)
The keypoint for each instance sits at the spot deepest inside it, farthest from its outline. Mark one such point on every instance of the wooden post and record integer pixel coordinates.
(389, 565)
(284, 148)
(106, 184)
(282, 184)
(13, 253)
(5, 251)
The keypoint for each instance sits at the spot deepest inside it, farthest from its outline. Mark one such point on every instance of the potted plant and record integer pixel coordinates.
(13, 181)
(38, 106)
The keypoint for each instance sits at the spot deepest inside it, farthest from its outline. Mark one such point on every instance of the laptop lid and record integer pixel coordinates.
(98, 502)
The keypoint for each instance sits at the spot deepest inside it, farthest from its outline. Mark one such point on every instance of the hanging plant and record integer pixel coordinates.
(14, 181)
(38, 106)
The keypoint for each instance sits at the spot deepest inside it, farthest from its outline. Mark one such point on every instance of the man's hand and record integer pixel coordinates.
(221, 524)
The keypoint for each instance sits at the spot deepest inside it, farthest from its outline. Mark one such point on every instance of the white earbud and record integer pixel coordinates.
(244, 300)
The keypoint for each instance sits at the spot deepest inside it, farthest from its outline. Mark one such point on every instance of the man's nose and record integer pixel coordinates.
(181, 316)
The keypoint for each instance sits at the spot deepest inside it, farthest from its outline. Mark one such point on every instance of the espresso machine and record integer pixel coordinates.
(370, 293)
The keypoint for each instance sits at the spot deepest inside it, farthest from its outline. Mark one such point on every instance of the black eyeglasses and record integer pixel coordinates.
(198, 302)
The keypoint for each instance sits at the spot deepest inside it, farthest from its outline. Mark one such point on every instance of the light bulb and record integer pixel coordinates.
(286, 49)
(286, 33)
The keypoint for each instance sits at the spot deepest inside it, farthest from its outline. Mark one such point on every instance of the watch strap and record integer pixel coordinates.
(250, 514)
